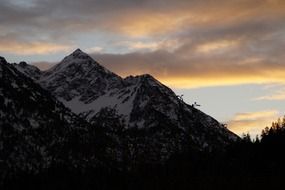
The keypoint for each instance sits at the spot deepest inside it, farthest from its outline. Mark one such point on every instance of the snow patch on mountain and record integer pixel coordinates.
(116, 99)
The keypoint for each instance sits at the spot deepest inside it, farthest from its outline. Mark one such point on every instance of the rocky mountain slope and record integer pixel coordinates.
(145, 119)
(29, 70)
(162, 122)
(38, 132)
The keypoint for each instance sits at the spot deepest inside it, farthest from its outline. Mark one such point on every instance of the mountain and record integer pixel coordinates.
(37, 131)
(29, 70)
(79, 77)
(155, 120)
(123, 133)
(82, 120)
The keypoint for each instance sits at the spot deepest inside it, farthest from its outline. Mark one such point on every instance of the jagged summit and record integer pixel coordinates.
(79, 76)
(76, 59)
(77, 51)
(79, 54)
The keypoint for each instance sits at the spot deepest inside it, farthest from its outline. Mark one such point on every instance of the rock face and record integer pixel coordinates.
(153, 117)
(29, 70)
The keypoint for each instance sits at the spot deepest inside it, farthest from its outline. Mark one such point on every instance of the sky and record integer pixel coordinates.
(227, 55)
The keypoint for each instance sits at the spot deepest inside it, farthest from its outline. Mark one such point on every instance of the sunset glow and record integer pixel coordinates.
(190, 46)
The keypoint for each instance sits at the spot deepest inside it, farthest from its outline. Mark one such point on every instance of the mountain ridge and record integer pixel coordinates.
(86, 87)
(80, 115)
(38, 133)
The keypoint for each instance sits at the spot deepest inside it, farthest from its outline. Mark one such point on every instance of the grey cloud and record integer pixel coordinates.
(257, 27)
(109, 15)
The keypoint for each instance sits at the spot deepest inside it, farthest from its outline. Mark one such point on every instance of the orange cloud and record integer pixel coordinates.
(219, 46)
(185, 44)
(252, 122)
(192, 72)
(223, 79)
(32, 48)
(170, 45)
(146, 21)
(95, 49)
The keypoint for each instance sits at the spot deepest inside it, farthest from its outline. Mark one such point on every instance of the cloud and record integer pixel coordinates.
(32, 48)
(11, 44)
(277, 95)
(94, 49)
(218, 46)
(136, 18)
(149, 46)
(195, 70)
(252, 122)
(183, 43)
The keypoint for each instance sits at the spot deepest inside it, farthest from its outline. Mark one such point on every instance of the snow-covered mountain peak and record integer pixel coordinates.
(79, 76)
(76, 59)
(78, 51)
(79, 55)
(77, 62)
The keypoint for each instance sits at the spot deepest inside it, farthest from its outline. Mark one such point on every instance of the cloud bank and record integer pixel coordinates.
(185, 44)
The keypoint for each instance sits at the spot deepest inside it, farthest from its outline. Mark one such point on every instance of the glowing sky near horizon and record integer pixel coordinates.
(228, 55)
